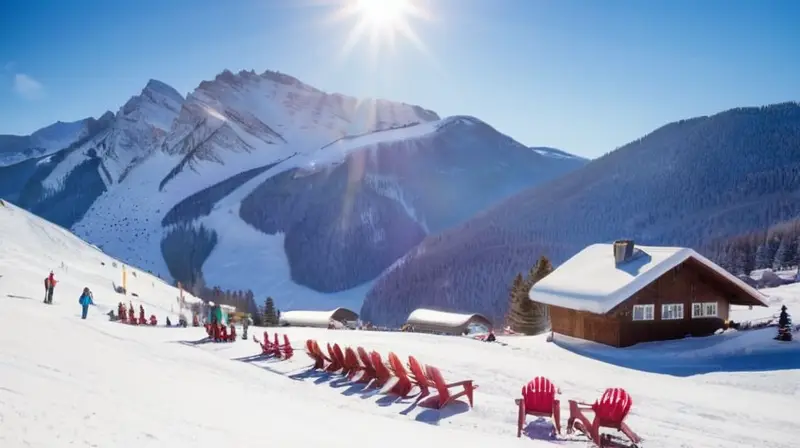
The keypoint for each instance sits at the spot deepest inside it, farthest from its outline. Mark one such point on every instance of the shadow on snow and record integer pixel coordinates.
(744, 351)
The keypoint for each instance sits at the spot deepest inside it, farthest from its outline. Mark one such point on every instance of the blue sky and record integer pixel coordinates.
(584, 76)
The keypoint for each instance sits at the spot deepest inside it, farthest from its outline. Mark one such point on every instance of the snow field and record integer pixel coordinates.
(711, 410)
(65, 381)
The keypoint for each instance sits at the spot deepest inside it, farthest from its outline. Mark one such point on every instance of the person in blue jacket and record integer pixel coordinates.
(85, 300)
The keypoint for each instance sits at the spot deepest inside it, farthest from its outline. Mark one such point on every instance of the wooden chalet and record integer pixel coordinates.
(620, 295)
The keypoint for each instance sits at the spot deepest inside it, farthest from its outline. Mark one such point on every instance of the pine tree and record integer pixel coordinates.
(783, 254)
(763, 260)
(796, 260)
(738, 259)
(772, 248)
(539, 271)
(525, 315)
(513, 299)
(270, 317)
(784, 325)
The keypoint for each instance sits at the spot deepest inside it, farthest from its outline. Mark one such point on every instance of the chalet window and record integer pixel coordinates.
(672, 311)
(705, 309)
(643, 312)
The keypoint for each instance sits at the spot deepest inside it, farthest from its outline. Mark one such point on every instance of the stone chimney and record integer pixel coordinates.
(623, 251)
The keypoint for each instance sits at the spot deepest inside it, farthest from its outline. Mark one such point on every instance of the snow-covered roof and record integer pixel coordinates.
(442, 321)
(591, 280)
(316, 318)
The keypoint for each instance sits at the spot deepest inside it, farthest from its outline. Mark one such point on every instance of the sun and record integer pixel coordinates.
(381, 23)
(384, 13)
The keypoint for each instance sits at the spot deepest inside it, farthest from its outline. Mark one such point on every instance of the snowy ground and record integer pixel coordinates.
(68, 382)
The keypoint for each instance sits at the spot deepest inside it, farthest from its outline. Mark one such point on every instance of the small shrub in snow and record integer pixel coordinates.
(784, 326)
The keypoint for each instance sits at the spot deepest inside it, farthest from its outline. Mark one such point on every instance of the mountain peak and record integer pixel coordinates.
(155, 96)
(159, 86)
(288, 80)
(155, 88)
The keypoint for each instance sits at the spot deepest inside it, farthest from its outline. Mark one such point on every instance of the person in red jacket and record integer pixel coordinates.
(49, 286)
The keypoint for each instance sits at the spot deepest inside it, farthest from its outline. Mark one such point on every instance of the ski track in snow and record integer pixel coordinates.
(97, 383)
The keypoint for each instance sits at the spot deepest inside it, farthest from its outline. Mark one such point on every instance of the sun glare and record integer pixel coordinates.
(380, 13)
(381, 23)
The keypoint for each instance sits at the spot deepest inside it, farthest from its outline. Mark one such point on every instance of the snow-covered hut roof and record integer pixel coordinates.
(316, 318)
(592, 281)
(444, 322)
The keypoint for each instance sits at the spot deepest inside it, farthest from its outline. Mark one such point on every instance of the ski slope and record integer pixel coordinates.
(69, 382)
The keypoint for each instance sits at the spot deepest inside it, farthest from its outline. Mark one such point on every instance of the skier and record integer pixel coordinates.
(246, 322)
(49, 286)
(85, 300)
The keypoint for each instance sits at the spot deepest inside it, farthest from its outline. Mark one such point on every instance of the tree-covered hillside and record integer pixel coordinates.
(687, 183)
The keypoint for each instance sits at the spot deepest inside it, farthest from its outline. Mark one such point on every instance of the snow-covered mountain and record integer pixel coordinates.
(45, 141)
(63, 186)
(181, 186)
(684, 184)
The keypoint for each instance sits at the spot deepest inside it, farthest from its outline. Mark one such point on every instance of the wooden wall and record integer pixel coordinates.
(584, 325)
(687, 284)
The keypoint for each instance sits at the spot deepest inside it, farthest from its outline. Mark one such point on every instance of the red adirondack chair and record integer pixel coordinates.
(275, 348)
(366, 364)
(418, 377)
(357, 371)
(223, 334)
(266, 346)
(288, 351)
(539, 399)
(609, 412)
(445, 397)
(319, 361)
(382, 373)
(338, 355)
(320, 353)
(334, 366)
(404, 386)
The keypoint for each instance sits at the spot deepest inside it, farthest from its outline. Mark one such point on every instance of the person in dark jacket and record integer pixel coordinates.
(85, 300)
